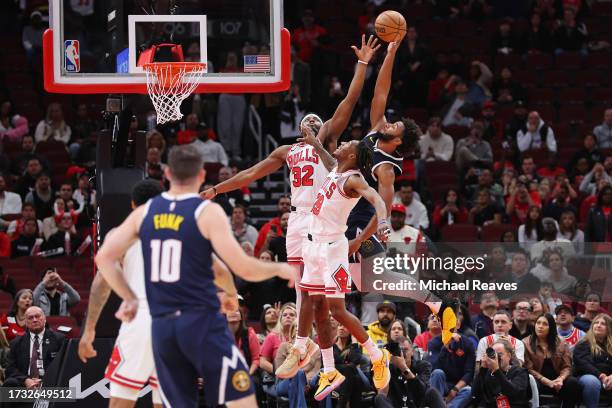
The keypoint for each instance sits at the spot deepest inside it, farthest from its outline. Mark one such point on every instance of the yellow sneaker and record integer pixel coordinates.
(294, 361)
(328, 382)
(380, 370)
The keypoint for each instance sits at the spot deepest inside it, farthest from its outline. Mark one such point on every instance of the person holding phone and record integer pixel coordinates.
(501, 379)
(409, 386)
(54, 296)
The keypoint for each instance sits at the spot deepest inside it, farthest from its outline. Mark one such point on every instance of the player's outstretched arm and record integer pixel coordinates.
(112, 251)
(309, 138)
(269, 165)
(382, 88)
(333, 128)
(215, 227)
(356, 186)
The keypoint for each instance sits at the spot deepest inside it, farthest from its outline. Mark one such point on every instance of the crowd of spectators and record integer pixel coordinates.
(508, 166)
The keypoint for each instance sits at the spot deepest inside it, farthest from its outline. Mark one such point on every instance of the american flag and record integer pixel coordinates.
(256, 63)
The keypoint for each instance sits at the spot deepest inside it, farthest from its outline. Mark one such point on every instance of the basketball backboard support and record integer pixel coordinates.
(96, 49)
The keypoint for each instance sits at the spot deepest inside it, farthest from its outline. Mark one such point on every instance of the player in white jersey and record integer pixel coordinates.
(307, 163)
(131, 364)
(326, 269)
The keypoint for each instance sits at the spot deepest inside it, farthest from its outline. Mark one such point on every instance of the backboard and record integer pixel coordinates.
(98, 46)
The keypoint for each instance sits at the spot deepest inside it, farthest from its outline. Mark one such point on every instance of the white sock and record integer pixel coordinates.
(300, 344)
(328, 359)
(372, 350)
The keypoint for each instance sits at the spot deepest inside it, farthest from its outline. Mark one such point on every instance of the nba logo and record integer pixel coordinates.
(72, 60)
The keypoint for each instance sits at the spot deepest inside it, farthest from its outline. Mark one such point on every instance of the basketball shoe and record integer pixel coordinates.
(295, 360)
(328, 381)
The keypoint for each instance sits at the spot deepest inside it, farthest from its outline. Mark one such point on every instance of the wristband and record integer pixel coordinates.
(362, 62)
(382, 222)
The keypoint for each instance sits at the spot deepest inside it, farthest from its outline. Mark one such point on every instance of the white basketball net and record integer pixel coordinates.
(169, 84)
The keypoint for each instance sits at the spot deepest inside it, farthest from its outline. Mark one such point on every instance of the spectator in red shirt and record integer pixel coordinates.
(245, 338)
(433, 329)
(599, 221)
(451, 211)
(273, 226)
(13, 323)
(305, 38)
(517, 205)
(280, 335)
(552, 169)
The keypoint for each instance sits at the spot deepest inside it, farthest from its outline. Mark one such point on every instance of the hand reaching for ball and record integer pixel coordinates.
(367, 50)
(392, 47)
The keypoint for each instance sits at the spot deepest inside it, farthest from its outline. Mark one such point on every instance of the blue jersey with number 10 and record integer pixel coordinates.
(178, 259)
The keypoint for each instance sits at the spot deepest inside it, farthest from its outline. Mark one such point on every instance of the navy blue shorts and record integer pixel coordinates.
(355, 225)
(197, 344)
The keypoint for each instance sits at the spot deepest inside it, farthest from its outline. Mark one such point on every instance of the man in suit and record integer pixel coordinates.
(32, 353)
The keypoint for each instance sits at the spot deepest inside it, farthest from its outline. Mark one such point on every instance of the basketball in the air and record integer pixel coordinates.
(390, 26)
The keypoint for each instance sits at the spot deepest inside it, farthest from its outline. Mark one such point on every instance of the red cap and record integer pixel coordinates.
(398, 208)
(488, 105)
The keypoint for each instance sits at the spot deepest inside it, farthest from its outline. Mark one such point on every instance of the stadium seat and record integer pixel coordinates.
(55, 322)
(541, 95)
(538, 61)
(508, 60)
(6, 300)
(456, 132)
(572, 95)
(460, 233)
(439, 167)
(590, 77)
(48, 146)
(598, 60)
(578, 113)
(602, 95)
(568, 60)
(556, 78)
(494, 232)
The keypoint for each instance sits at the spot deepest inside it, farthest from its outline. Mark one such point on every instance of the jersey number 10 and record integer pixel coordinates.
(166, 260)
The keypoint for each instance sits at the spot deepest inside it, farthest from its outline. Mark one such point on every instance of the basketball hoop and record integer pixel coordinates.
(169, 84)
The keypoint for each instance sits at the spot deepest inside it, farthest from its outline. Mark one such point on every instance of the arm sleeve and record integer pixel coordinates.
(73, 296)
(470, 361)
(523, 140)
(515, 387)
(583, 360)
(222, 155)
(37, 292)
(254, 347)
(447, 149)
(551, 142)
(11, 370)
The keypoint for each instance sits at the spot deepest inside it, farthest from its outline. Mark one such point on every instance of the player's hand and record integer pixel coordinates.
(86, 350)
(127, 311)
(367, 50)
(229, 304)
(208, 194)
(354, 245)
(392, 47)
(383, 231)
(286, 271)
(308, 136)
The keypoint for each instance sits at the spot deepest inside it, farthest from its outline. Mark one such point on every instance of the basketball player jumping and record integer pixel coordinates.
(131, 365)
(179, 232)
(326, 269)
(307, 163)
(388, 142)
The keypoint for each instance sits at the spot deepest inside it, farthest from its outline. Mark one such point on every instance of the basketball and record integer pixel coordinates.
(390, 26)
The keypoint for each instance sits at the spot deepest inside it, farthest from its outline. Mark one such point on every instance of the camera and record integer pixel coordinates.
(394, 349)
(491, 353)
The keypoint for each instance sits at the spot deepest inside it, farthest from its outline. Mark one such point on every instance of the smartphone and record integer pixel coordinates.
(393, 348)
(491, 353)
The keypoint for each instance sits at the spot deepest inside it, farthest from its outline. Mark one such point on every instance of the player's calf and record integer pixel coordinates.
(380, 358)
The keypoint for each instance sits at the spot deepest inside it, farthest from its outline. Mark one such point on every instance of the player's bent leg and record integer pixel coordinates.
(246, 402)
(303, 347)
(380, 358)
(330, 378)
